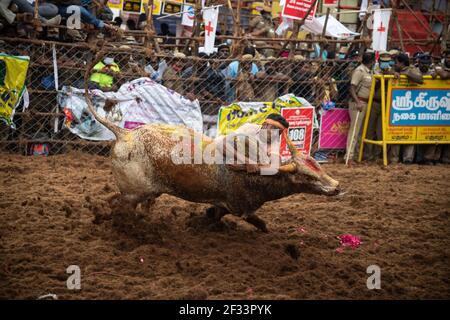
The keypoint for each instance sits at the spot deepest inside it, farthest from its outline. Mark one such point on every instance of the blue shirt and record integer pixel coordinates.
(232, 69)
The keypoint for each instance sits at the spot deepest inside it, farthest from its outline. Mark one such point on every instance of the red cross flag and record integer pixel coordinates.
(380, 29)
(210, 16)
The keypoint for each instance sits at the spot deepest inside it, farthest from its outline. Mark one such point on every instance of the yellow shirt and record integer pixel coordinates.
(104, 80)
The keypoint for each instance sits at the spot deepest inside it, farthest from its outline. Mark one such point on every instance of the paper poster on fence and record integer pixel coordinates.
(115, 4)
(419, 113)
(138, 102)
(13, 72)
(132, 6)
(300, 130)
(334, 127)
(233, 116)
(297, 9)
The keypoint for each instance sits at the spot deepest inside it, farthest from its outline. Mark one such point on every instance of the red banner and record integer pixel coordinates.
(330, 2)
(300, 129)
(297, 9)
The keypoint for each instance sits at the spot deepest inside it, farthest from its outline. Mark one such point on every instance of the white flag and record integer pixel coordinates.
(380, 29)
(210, 16)
(188, 15)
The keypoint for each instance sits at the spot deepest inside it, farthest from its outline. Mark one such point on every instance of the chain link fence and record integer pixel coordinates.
(209, 79)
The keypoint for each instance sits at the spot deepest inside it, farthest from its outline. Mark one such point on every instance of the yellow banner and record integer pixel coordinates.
(233, 116)
(13, 72)
(418, 112)
(115, 4)
(156, 7)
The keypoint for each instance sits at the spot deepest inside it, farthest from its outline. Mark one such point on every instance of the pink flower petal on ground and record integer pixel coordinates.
(301, 229)
(340, 250)
(349, 240)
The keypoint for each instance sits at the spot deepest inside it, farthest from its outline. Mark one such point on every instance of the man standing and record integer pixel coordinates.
(402, 67)
(374, 128)
(361, 82)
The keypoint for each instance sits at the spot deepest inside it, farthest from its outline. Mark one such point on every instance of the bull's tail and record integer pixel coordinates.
(118, 132)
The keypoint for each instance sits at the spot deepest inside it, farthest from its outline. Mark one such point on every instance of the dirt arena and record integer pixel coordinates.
(54, 213)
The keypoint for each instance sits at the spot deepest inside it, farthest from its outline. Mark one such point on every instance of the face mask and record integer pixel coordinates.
(447, 63)
(391, 63)
(341, 56)
(385, 65)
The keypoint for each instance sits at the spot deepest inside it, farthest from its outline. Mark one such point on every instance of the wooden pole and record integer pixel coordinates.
(427, 27)
(237, 30)
(445, 28)
(196, 29)
(399, 29)
(324, 32)
(150, 28)
(297, 29)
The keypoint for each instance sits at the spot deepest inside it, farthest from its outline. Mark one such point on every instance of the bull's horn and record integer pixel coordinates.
(288, 168)
(333, 183)
(291, 146)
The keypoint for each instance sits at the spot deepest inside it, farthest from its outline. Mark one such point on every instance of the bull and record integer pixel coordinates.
(143, 168)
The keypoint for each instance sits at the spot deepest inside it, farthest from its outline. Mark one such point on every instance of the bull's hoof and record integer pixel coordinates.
(215, 213)
(257, 222)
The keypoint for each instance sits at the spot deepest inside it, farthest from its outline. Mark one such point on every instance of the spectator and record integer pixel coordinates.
(302, 76)
(156, 68)
(223, 51)
(48, 14)
(172, 77)
(117, 21)
(215, 80)
(166, 33)
(86, 15)
(269, 80)
(106, 72)
(342, 54)
(231, 72)
(244, 80)
(431, 153)
(402, 67)
(325, 89)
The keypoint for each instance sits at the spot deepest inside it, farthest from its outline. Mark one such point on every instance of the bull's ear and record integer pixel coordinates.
(288, 168)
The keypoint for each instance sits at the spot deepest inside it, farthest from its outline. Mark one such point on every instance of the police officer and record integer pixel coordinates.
(374, 128)
(361, 82)
(262, 27)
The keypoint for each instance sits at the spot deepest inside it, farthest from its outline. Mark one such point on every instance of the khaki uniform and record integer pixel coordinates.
(259, 23)
(362, 80)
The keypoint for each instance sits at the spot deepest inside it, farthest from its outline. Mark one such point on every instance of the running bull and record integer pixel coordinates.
(143, 169)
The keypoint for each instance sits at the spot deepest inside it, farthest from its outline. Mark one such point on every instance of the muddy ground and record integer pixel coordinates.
(54, 213)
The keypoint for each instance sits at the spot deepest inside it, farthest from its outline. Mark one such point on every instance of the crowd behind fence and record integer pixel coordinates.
(206, 78)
